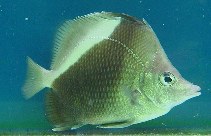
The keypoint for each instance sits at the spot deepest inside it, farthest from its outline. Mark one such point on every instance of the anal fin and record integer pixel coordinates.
(54, 108)
(57, 113)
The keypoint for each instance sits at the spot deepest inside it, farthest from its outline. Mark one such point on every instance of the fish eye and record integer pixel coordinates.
(167, 78)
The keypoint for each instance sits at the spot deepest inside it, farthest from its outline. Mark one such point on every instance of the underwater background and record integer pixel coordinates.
(28, 27)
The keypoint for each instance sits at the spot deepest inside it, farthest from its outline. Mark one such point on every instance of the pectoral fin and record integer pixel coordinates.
(116, 124)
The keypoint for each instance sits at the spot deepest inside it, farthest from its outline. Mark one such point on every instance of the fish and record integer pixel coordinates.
(108, 70)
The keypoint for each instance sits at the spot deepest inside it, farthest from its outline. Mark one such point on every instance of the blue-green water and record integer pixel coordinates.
(27, 28)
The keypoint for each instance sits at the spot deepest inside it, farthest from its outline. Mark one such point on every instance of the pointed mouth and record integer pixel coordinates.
(191, 91)
(195, 90)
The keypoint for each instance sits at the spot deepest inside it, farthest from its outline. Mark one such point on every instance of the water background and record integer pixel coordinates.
(28, 27)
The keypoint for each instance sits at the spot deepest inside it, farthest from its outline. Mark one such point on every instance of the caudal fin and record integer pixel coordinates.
(35, 77)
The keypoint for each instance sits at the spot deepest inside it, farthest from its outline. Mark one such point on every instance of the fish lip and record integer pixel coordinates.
(196, 94)
(195, 90)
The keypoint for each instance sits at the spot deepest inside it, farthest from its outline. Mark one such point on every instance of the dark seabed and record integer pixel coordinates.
(28, 28)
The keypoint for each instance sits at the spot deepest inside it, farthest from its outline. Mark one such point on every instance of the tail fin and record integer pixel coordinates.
(34, 79)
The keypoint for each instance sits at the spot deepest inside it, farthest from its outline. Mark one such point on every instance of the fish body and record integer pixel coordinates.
(108, 69)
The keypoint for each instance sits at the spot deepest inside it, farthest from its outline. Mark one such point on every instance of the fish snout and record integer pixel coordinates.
(194, 90)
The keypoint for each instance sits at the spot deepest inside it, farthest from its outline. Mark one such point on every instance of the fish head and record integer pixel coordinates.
(164, 85)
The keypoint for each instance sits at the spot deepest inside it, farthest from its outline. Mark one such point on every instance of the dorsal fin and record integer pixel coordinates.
(74, 34)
